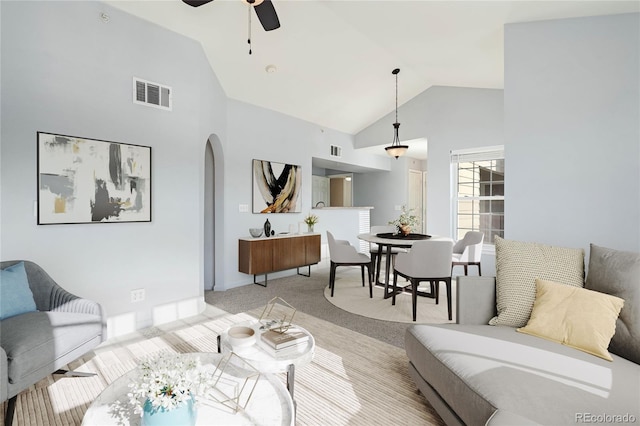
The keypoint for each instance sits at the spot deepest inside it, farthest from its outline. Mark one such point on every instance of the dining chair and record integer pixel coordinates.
(468, 251)
(375, 250)
(425, 261)
(341, 253)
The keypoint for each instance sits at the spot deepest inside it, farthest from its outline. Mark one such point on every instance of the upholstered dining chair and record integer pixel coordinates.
(375, 250)
(468, 251)
(341, 253)
(426, 261)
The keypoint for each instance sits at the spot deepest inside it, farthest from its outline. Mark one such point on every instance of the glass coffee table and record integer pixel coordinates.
(265, 361)
(270, 403)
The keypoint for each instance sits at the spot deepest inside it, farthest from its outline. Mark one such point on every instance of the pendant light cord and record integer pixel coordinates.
(397, 96)
(249, 38)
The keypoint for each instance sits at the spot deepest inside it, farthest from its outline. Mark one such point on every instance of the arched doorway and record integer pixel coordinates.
(213, 252)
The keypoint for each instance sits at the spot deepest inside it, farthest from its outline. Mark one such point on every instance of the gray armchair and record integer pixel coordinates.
(36, 344)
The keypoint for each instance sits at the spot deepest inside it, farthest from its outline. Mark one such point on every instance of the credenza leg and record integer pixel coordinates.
(264, 284)
(308, 274)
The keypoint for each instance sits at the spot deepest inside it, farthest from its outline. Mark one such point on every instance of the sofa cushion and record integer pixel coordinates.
(618, 273)
(15, 295)
(36, 339)
(574, 316)
(518, 264)
(478, 369)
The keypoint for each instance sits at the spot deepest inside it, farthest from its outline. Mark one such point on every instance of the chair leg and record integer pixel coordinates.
(465, 268)
(448, 282)
(332, 277)
(362, 271)
(11, 408)
(414, 298)
(479, 271)
(436, 284)
(370, 275)
(395, 281)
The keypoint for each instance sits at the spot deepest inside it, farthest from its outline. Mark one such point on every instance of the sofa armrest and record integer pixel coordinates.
(4, 376)
(476, 299)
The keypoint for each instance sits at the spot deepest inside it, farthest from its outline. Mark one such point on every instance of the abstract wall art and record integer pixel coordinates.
(276, 187)
(83, 180)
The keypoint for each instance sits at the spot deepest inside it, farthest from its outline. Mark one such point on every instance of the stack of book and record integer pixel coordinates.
(291, 340)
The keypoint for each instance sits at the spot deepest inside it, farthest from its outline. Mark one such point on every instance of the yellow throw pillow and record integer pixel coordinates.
(580, 318)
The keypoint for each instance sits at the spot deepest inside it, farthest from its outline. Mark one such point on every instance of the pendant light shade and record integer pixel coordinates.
(396, 149)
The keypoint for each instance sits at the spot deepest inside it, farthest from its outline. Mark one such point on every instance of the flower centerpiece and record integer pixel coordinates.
(406, 221)
(311, 220)
(165, 387)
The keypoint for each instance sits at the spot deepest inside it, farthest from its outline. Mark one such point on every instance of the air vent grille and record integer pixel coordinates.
(151, 94)
(336, 151)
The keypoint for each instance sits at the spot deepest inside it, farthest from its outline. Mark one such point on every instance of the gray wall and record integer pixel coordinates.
(450, 118)
(65, 71)
(572, 102)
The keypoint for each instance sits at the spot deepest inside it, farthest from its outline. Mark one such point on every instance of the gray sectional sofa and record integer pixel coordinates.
(473, 373)
(35, 344)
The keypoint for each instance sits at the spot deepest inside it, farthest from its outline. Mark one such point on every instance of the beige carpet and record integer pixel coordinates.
(353, 379)
(350, 296)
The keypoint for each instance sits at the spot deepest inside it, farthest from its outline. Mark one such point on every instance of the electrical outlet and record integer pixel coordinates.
(243, 208)
(137, 295)
(398, 208)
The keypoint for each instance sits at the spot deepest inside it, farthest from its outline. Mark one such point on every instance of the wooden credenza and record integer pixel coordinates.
(264, 255)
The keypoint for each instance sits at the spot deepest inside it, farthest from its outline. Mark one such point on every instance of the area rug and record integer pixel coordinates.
(350, 296)
(353, 379)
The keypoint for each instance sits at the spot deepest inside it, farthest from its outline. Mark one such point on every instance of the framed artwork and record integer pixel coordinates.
(83, 180)
(276, 187)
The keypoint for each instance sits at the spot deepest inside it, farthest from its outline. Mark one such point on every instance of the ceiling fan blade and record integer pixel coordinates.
(267, 15)
(196, 3)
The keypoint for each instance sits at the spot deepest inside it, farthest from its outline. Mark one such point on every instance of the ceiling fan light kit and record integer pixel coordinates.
(396, 149)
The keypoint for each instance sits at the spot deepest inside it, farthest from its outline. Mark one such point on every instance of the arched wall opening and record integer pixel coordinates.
(213, 227)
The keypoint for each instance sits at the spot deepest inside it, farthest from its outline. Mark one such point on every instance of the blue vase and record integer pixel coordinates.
(184, 414)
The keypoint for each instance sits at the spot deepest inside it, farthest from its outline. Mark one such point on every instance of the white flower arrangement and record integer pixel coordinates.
(167, 381)
(406, 218)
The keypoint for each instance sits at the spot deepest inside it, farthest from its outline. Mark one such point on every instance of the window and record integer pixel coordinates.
(478, 192)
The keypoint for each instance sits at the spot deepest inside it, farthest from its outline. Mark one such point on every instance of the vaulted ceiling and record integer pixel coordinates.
(334, 59)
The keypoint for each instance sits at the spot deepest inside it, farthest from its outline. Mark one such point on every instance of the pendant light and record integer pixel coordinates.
(396, 149)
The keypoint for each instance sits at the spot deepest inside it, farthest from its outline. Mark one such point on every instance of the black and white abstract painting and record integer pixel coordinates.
(84, 180)
(276, 187)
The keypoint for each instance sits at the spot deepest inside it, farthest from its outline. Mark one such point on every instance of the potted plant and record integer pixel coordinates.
(164, 390)
(311, 220)
(406, 221)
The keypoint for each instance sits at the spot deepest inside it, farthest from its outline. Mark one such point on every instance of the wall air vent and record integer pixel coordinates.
(336, 151)
(152, 94)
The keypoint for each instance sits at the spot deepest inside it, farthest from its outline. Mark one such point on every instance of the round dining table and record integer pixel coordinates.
(387, 241)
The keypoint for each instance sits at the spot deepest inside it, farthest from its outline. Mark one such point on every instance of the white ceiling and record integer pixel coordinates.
(334, 58)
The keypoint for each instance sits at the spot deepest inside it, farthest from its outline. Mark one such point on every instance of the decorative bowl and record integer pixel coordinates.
(241, 336)
(255, 232)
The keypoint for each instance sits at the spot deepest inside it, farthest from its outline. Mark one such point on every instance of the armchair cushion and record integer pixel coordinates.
(518, 264)
(52, 336)
(15, 295)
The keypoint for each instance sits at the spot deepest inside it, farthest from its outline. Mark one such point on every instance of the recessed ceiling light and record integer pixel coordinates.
(270, 69)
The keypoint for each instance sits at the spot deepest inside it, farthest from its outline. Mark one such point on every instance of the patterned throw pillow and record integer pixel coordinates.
(518, 264)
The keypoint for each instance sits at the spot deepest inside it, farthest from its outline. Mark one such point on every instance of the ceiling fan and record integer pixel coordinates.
(264, 9)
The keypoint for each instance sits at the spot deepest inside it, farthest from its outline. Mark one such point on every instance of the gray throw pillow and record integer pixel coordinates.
(617, 273)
